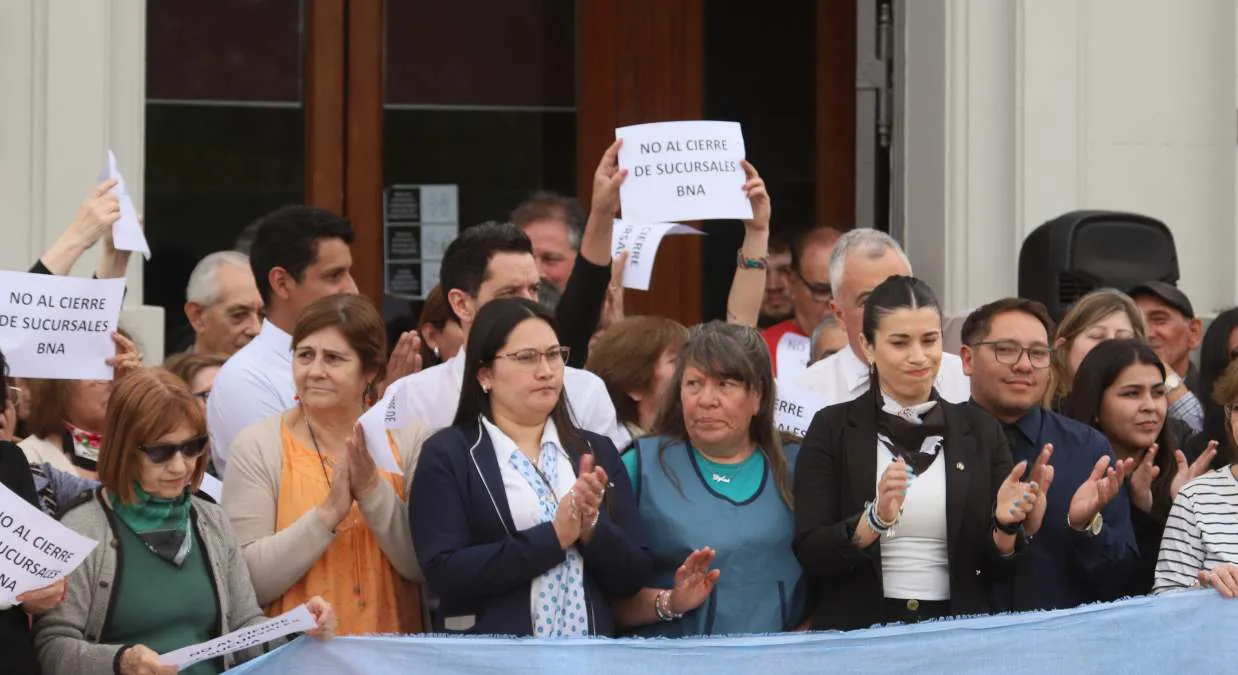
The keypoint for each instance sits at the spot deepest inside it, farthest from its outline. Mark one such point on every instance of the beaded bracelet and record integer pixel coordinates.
(662, 605)
(876, 523)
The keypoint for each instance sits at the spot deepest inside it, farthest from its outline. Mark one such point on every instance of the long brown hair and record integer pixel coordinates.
(727, 352)
(144, 406)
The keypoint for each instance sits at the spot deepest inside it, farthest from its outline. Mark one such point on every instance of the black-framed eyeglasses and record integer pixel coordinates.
(821, 291)
(162, 452)
(1009, 352)
(529, 358)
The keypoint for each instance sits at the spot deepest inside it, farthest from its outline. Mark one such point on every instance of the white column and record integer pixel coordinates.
(1018, 111)
(75, 82)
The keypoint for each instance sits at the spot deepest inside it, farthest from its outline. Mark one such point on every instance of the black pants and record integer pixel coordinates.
(915, 611)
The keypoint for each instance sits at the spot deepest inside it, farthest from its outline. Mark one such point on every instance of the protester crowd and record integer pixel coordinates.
(566, 470)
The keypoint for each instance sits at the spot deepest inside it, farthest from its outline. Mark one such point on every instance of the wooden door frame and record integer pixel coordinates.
(344, 76)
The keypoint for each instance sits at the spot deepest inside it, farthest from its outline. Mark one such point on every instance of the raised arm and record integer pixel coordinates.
(94, 220)
(743, 305)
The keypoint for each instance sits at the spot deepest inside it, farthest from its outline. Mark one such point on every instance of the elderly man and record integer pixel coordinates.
(1173, 332)
(862, 259)
(223, 304)
(554, 224)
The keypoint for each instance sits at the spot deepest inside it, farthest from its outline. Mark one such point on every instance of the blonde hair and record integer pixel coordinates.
(1090, 309)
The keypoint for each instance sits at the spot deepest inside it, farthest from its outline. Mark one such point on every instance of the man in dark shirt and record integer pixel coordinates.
(1085, 550)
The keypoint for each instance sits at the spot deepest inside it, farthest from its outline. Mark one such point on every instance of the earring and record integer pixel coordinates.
(435, 350)
(485, 390)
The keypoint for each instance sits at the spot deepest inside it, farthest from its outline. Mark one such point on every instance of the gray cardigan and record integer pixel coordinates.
(67, 637)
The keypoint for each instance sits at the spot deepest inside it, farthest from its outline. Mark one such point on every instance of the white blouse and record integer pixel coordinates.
(914, 557)
(521, 499)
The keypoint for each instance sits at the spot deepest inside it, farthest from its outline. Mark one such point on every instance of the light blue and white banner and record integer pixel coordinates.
(1187, 632)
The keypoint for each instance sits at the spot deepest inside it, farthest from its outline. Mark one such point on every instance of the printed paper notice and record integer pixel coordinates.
(641, 242)
(35, 550)
(391, 412)
(212, 487)
(58, 328)
(127, 234)
(296, 620)
(795, 408)
(793, 352)
(679, 171)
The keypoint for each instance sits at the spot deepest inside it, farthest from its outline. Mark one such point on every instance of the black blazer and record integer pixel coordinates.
(836, 475)
(482, 567)
(17, 654)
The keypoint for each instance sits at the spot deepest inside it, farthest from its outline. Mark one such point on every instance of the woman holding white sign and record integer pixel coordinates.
(169, 573)
(314, 514)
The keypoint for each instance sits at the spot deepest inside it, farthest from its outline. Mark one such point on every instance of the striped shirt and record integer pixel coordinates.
(1202, 531)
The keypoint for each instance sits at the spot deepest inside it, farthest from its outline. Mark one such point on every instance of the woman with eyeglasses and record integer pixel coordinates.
(524, 524)
(1120, 390)
(196, 370)
(168, 572)
(313, 512)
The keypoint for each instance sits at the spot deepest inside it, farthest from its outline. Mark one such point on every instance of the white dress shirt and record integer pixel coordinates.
(254, 384)
(914, 558)
(434, 394)
(843, 377)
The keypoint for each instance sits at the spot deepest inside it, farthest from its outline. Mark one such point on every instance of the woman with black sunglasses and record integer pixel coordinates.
(168, 572)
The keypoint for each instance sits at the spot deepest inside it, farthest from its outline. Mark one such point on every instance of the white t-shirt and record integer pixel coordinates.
(254, 384)
(1201, 532)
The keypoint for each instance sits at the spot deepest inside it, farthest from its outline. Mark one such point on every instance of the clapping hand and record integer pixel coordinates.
(590, 487)
(362, 471)
(1016, 499)
(1098, 490)
(1145, 473)
(694, 581)
(892, 490)
(1041, 477)
(405, 360)
(1189, 472)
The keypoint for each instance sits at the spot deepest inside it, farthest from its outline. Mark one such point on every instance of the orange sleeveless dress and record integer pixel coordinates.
(367, 593)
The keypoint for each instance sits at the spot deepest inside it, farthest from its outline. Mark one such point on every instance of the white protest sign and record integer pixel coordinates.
(391, 412)
(295, 620)
(35, 550)
(680, 171)
(641, 242)
(58, 328)
(212, 487)
(127, 234)
(792, 354)
(795, 408)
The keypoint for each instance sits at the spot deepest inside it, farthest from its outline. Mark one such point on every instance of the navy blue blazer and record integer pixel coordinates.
(1065, 568)
(482, 567)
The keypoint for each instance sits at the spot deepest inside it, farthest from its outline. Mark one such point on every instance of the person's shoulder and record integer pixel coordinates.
(582, 379)
(1065, 430)
(242, 369)
(85, 513)
(448, 442)
(424, 383)
(12, 458)
(259, 433)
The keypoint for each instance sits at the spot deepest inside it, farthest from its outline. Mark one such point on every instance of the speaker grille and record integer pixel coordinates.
(1070, 288)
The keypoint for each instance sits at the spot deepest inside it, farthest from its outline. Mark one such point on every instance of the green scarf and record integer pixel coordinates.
(161, 524)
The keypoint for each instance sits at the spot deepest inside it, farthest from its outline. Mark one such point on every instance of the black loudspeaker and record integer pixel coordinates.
(1081, 251)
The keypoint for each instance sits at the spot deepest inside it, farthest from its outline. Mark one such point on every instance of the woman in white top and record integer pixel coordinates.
(906, 506)
(1200, 544)
(523, 524)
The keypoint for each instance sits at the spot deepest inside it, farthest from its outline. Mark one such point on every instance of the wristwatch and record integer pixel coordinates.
(1093, 527)
(1173, 381)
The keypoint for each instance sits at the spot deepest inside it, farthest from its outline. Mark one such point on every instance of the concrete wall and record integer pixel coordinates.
(74, 80)
(1019, 110)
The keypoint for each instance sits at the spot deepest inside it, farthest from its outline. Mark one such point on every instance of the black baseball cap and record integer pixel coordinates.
(1166, 293)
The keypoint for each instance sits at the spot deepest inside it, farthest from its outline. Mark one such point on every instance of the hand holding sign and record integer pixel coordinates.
(97, 215)
(127, 359)
(127, 232)
(142, 660)
(607, 180)
(754, 189)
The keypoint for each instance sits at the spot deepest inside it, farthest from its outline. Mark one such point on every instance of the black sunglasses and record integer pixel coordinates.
(162, 452)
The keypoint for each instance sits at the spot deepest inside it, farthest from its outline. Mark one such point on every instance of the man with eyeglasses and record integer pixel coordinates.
(789, 343)
(1085, 550)
(487, 262)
